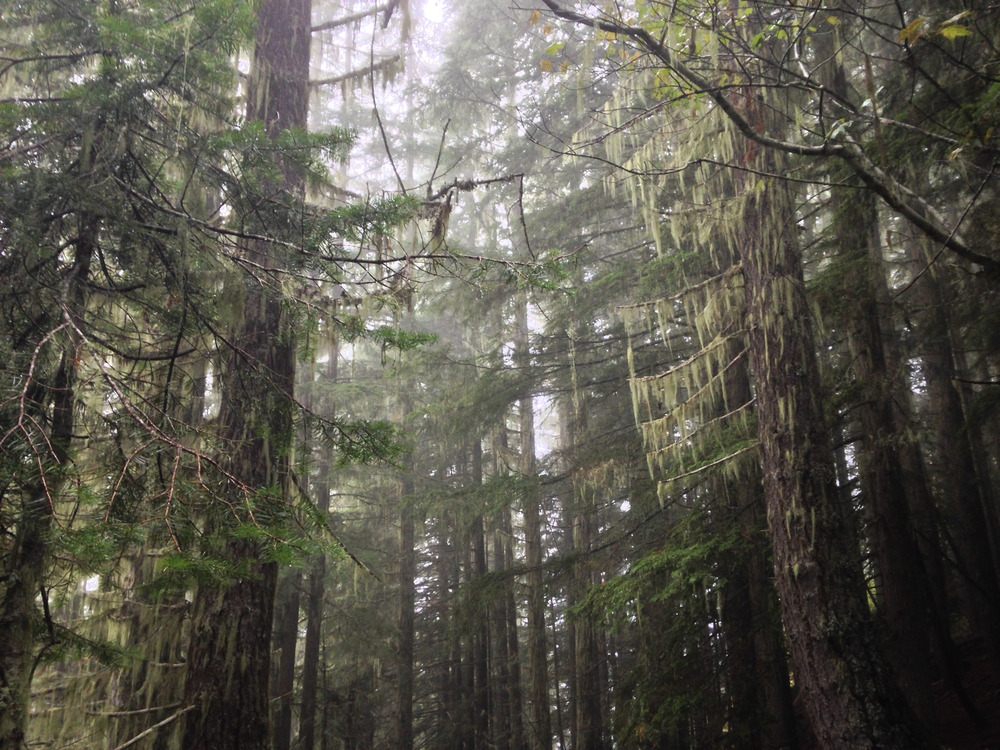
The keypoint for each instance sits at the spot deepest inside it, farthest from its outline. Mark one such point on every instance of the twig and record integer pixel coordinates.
(154, 727)
(378, 119)
(437, 160)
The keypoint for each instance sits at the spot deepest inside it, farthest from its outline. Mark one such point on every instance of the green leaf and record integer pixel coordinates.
(954, 32)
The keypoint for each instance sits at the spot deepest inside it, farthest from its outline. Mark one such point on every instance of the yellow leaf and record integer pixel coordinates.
(833, 20)
(547, 29)
(913, 31)
(564, 67)
(546, 65)
(536, 16)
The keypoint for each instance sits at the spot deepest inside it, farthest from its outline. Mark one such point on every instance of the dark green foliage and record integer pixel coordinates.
(128, 184)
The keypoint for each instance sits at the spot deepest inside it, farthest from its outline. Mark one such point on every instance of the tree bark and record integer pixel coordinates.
(540, 730)
(229, 652)
(846, 687)
(286, 639)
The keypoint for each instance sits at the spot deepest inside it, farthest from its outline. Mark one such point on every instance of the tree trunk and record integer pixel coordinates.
(481, 647)
(956, 476)
(317, 571)
(586, 718)
(845, 686)
(405, 614)
(776, 726)
(540, 730)
(286, 639)
(229, 653)
(26, 558)
(228, 660)
(314, 629)
(518, 740)
(502, 698)
(903, 587)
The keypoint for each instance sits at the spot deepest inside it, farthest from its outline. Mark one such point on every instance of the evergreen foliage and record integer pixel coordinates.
(623, 378)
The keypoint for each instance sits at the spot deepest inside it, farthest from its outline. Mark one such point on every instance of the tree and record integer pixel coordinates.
(143, 265)
(817, 571)
(81, 254)
(228, 692)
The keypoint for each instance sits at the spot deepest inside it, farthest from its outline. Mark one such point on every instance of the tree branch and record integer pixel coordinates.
(359, 73)
(895, 194)
(387, 7)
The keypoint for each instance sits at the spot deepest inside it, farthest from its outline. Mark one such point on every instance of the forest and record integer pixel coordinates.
(499, 374)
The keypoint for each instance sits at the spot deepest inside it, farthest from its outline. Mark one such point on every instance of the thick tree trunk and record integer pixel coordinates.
(758, 689)
(847, 689)
(229, 654)
(228, 661)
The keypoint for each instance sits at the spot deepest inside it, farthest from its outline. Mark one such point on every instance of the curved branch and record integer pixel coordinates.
(910, 205)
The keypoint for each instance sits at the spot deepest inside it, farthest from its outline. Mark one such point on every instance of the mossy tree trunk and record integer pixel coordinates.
(845, 684)
(758, 690)
(228, 667)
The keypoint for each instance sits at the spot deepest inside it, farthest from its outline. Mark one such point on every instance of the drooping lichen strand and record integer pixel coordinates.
(696, 379)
